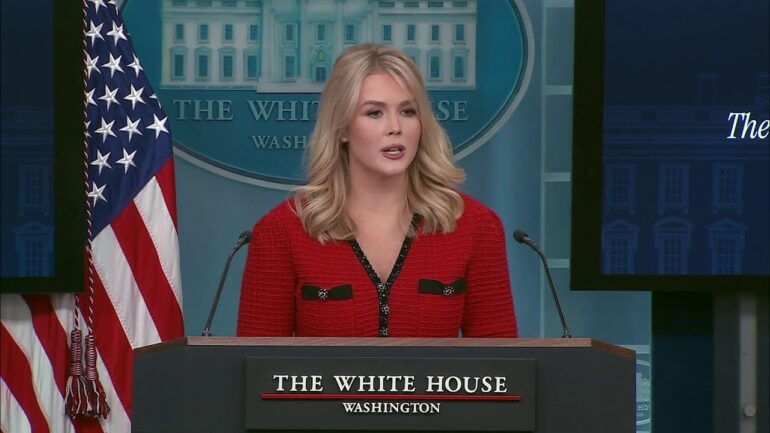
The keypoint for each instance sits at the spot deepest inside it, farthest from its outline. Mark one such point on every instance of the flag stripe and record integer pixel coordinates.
(51, 335)
(167, 184)
(94, 425)
(11, 418)
(15, 370)
(116, 353)
(49, 396)
(118, 281)
(119, 413)
(64, 308)
(140, 254)
(151, 205)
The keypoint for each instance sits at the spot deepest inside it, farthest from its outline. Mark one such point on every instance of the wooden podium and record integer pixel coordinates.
(208, 384)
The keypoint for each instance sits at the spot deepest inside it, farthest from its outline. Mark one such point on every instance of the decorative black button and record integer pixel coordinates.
(385, 309)
(449, 290)
(383, 332)
(322, 294)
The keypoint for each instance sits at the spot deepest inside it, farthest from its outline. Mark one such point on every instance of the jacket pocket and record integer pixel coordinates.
(326, 312)
(338, 293)
(440, 307)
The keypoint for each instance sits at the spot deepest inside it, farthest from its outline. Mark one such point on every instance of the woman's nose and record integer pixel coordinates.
(394, 125)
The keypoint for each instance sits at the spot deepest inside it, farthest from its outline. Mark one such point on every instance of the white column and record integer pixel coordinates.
(339, 31)
(267, 61)
(303, 42)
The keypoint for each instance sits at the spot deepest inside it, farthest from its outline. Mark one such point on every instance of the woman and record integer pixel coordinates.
(379, 242)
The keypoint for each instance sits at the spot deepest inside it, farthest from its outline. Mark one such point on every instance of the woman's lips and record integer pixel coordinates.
(393, 152)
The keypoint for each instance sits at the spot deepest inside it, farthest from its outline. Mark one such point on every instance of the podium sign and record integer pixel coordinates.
(357, 393)
(239, 385)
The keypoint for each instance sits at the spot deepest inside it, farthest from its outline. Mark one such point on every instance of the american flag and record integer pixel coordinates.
(133, 295)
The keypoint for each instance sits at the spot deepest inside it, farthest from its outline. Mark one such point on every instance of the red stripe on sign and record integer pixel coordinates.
(52, 336)
(112, 343)
(420, 397)
(165, 178)
(140, 253)
(15, 371)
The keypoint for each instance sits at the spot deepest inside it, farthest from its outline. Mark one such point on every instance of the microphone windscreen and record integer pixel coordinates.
(246, 236)
(520, 236)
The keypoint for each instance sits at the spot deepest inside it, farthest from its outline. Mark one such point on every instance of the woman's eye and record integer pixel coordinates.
(375, 114)
(408, 112)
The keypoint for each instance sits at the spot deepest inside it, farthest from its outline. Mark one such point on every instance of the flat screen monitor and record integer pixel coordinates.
(670, 145)
(41, 143)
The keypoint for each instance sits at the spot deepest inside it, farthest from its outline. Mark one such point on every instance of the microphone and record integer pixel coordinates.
(243, 239)
(523, 238)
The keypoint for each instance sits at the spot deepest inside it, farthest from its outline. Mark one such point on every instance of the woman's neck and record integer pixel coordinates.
(382, 201)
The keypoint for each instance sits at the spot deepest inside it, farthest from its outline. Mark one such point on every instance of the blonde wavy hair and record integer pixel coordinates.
(432, 176)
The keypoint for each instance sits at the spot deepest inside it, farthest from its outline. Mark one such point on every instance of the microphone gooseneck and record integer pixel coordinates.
(523, 238)
(243, 239)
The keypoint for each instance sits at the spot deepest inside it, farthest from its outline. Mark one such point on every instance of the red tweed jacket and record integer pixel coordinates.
(442, 283)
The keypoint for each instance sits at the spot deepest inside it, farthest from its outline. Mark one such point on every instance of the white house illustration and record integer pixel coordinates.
(290, 45)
